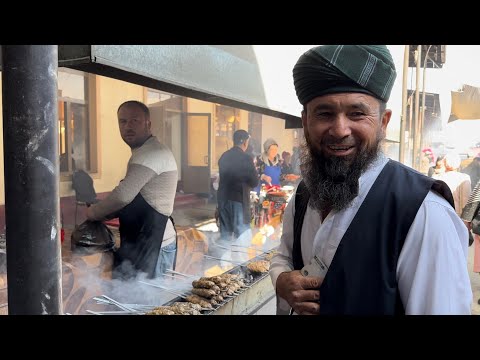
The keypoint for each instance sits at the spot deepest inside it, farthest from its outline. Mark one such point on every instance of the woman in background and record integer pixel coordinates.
(438, 168)
(270, 168)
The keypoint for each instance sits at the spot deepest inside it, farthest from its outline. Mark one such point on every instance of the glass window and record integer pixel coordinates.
(73, 120)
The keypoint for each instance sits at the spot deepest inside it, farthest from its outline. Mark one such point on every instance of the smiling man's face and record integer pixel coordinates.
(342, 136)
(345, 124)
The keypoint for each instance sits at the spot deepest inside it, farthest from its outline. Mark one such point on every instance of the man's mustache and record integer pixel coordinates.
(341, 142)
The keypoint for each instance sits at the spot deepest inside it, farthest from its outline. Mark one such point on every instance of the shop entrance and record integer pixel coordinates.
(196, 130)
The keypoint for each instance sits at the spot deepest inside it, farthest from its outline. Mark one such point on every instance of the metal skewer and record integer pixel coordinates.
(120, 305)
(172, 277)
(120, 312)
(181, 274)
(233, 250)
(163, 288)
(248, 247)
(217, 258)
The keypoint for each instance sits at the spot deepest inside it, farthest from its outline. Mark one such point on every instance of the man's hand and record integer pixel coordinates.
(301, 292)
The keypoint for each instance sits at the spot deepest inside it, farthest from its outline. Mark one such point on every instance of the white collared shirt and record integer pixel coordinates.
(432, 269)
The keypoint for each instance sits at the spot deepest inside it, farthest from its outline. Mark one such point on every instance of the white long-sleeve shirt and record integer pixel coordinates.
(432, 269)
(152, 172)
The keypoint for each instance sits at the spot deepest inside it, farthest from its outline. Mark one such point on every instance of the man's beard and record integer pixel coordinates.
(332, 181)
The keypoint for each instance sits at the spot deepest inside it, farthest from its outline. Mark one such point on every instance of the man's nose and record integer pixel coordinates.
(340, 127)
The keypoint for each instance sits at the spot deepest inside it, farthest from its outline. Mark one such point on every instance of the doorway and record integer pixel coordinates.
(196, 145)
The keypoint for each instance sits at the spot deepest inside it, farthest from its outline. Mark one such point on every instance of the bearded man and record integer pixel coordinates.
(364, 235)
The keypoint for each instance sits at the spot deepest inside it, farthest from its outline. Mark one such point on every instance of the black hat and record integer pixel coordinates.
(240, 136)
(330, 69)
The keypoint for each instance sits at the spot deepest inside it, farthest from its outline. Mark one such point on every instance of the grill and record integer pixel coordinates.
(114, 307)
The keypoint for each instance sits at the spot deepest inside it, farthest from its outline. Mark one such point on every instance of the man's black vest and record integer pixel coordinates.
(361, 279)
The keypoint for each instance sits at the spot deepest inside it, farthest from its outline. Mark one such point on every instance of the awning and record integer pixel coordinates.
(223, 74)
(465, 104)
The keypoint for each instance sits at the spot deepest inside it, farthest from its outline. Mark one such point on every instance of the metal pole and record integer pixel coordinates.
(404, 105)
(411, 130)
(416, 144)
(30, 134)
(422, 117)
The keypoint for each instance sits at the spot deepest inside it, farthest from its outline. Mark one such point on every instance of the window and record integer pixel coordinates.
(74, 124)
(165, 109)
(166, 117)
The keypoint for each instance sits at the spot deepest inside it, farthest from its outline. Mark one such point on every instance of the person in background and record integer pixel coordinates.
(143, 200)
(289, 178)
(426, 161)
(269, 166)
(458, 182)
(438, 168)
(376, 237)
(287, 163)
(470, 214)
(473, 170)
(237, 177)
(296, 161)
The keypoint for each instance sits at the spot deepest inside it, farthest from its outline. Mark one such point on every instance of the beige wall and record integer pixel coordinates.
(113, 153)
(177, 142)
(275, 128)
(243, 120)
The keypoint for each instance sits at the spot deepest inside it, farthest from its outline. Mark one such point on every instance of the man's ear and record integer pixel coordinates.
(304, 118)
(385, 120)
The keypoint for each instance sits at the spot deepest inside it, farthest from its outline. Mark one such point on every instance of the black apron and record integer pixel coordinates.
(141, 234)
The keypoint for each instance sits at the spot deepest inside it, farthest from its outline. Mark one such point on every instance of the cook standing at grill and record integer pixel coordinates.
(143, 200)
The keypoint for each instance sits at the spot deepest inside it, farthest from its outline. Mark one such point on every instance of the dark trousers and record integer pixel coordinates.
(231, 219)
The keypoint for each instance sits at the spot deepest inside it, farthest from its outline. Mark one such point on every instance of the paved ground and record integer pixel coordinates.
(194, 216)
(268, 309)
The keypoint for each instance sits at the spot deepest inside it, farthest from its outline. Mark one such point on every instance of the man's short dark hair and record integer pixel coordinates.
(141, 105)
(240, 136)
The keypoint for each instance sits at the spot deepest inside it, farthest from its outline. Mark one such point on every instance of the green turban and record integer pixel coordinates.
(330, 69)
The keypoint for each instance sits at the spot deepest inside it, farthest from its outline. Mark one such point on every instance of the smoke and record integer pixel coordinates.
(92, 281)
(91, 274)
